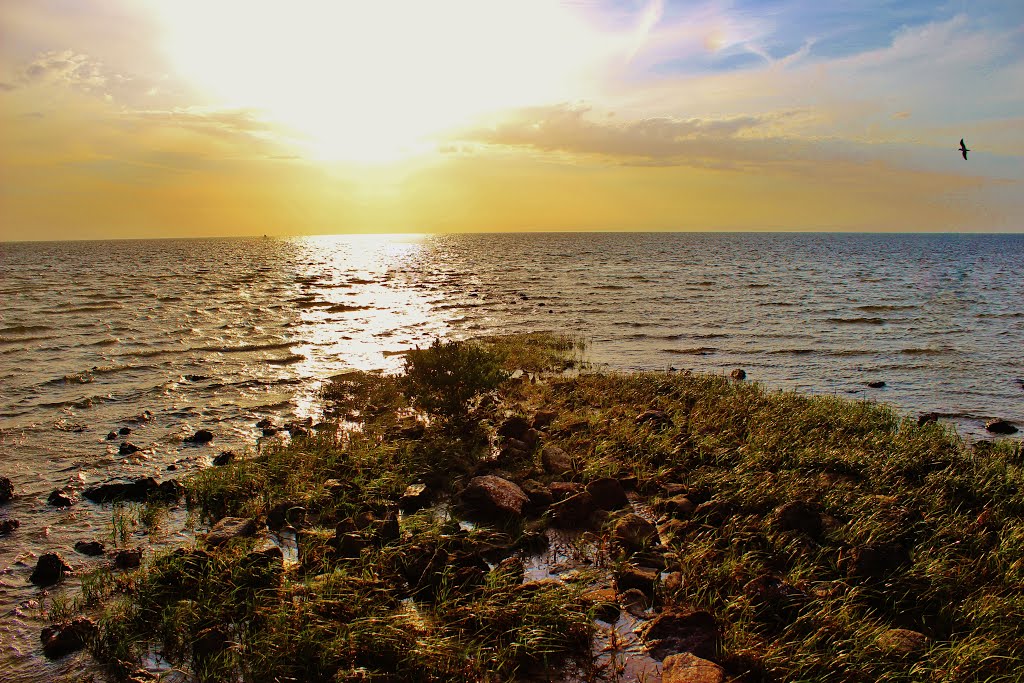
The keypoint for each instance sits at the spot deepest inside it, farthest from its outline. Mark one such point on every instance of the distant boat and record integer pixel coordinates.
(963, 148)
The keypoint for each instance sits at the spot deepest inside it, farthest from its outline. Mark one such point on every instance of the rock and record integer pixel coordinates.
(50, 569)
(63, 639)
(514, 427)
(264, 423)
(172, 467)
(8, 525)
(607, 493)
(513, 568)
(170, 489)
(137, 490)
(678, 506)
(60, 498)
(91, 548)
(673, 632)
(223, 458)
(603, 603)
(1001, 427)
(543, 418)
(689, 668)
(631, 577)
(230, 528)
(492, 496)
(927, 418)
(124, 431)
(201, 436)
(335, 487)
(633, 533)
(111, 436)
(539, 494)
(876, 560)
(555, 460)
(675, 489)
(127, 558)
(656, 418)
(902, 642)
(675, 530)
(270, 430)
(416, 497)
(738, 374)
(573, 512)
(560, 490)
(713, 512)
(267, 557)
(673, 582)
(127, 448)
(636, 602)
(798, 515)
(876, 384)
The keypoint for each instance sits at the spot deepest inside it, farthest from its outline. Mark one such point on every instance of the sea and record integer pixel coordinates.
(165, 337)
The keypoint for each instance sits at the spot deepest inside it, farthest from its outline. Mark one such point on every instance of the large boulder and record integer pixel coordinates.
(689, 668)
(63, 639)
(633, 533)
(230, 528)
(6, 489)
(50, 568)
(673, 632)
(137, 490)
(492, 496)
(607, 493)
(555, 460)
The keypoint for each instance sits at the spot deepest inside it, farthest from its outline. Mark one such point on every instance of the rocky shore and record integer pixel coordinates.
(488, 515)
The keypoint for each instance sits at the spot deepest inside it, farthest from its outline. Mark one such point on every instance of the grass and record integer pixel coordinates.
(820, 524)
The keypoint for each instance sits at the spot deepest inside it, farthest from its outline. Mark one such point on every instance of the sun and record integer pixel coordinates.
(378, 80)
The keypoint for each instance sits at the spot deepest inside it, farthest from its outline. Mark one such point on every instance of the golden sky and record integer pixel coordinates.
(153, 118)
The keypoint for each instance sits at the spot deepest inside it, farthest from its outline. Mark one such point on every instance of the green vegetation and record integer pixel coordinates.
(809, 527)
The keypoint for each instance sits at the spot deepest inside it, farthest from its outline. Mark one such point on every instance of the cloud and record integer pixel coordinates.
(67, 67)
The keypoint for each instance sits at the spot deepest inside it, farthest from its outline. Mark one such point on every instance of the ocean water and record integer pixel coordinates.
(165, 337)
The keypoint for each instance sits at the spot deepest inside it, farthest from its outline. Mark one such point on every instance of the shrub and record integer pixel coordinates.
(445, 377)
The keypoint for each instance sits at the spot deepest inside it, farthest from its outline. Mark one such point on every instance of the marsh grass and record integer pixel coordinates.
(912, 529)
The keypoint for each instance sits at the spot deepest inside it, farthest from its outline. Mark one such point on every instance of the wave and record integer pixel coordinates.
(858, 321)
(927, 352)
(882, 308)
(22, 340)
(611, 288)
(19, 329)
(246, 348)
(287, 360)
(793, 352)
(695, 351)
(89, 308)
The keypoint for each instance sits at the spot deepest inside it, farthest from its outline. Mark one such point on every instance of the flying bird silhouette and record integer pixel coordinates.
(963, 148)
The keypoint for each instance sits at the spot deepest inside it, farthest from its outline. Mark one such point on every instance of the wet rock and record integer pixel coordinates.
(127, 448)
(201, 436)
(515, 427)
(270, 430)
(902, 642)
(8, 526)
(560, 490)
(60, 498)
(276, 516)
(127, 558)
(137, 490)
(170, 489)
(636, 602)
(876, 384)
(677, 506)
(555, 460)
(223, 458)
(607, 493)
(927, 418)
(111, 436)
(674, 632)
(603, 603)
(656, 418)
(90, 548)
(633, 533)
(124, 431)
(230, 528)
(264, 423)
(798, 515)
(631, 577)
(63, 639)
(1001, 427)
(50, 568)
(673, 582)
(573, 512)
(539, 494)
(689, 668)
(738, 374)
(492, 496)
(672, 489)
(543, 418)
(416, 497)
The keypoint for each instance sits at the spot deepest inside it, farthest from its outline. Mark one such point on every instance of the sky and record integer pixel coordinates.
(175, 118)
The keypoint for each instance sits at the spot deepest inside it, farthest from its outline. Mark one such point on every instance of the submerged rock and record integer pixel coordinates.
(6, 489)
(111, 436)
(91, 548)
(230, 528)
(633, 533)
(60, 498)
(201, 436)
(574, 511)
(876, 384)
(63, 639)
(127, 558)
(124, 431)
(49, 570)
(675, 632)
(1000, 427)
(8, 525)
(223, 458)
(927, 418)
(603, 603)
(689, 668)
(493, 496)
(631, 577)
(137, 490)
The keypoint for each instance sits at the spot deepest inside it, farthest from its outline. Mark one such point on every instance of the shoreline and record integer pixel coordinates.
(589, 467)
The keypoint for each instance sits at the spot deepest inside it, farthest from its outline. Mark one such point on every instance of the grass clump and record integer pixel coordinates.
(444, 378)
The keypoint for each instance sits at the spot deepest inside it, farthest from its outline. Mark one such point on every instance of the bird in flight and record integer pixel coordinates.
(963, 148)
